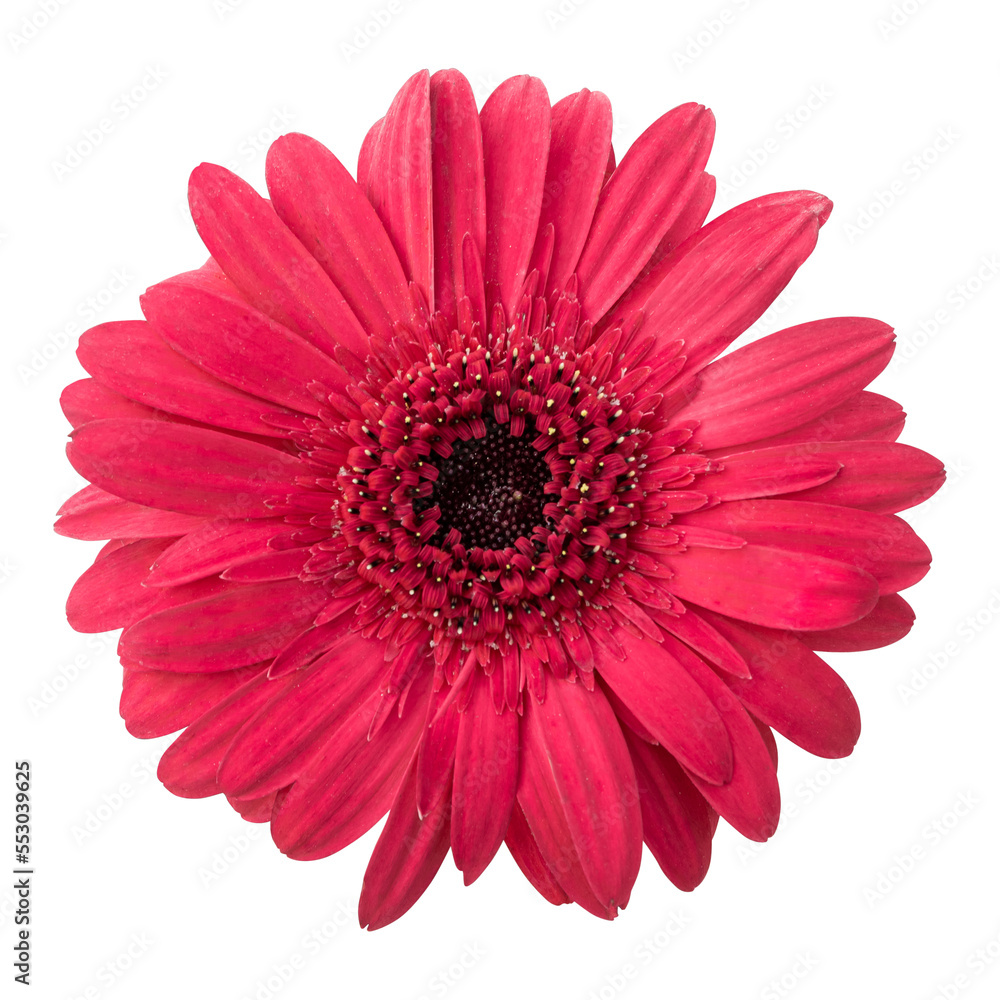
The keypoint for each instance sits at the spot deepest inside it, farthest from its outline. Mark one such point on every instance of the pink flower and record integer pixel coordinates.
(428, 494)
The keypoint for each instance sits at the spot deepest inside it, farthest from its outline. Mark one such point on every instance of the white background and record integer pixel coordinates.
(825, 909)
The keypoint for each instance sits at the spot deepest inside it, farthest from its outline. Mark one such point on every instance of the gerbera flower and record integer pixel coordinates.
(427, 495)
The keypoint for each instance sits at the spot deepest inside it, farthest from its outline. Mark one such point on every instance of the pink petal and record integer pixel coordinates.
(365, 153)
(670, 706)
(268, 265)
(693, 629)
(574, 732)
(406, 858)
(158, 702)
(276, 746)
(880, 476)
(241, 346)
(110, 594)
(436, 753)
(486, 766)
(885, 624)
(399, 180)
(647, 192)
(86, 400)
(751, 801)
(191, 470)
(881, 544)
(318, 200)
(578, 155)
(793, 691)
(676, 820)
(773, 587)
(458, 185)
(515, 123)
(93, 514)
(785, 469)
(525, 851)
(786, 379)
(132, 359)
(720, 280)
(242, 625)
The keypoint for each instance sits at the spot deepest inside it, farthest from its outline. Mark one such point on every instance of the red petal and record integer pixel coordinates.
(268, 265)
(458, 186)
(772, 587)
(881, 544)
(318, 200)
(86, 400)
(646, 193)
(692, 629)
(786, 379)
(242, 625)
(887, 623)
(785, 469)
(436, 754)
(575, 733)
(407, 856)
(131, 358)
(578, 155)
(399, 180)
(676, 820)
(670, 705)
(515, 123)
(486, 766)
(793, 691)
(110, 594)
(525, 851)
(93, 514)
(191, 470)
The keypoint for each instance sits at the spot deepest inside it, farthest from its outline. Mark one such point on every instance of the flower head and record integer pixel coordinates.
(430, 494)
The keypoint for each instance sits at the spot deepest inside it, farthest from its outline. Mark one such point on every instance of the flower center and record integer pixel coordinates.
(491, 489)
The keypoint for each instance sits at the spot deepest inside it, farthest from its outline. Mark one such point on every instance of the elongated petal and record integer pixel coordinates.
(243, 625)
(576, 733)
(458, 185)
(881, 476)
(407, 856)
(773, 587)
(883, 545)
(770, 471)
(578, 155)
(158, 702)
(786, 379)
(670, 705)
(486, 768)
(110, 594)
(525, 851)
(268, 265)
(645, 194)
(885, 624)
(793, 691)
(191, 470)
(134, 360)
(93, 514)
(718, 282)
(86, 400)
(676, 819)
(399, 180)
(436, 754)
(515, 123)
(241, 345)
(708, 642)
(278, 743)
(319, 201)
